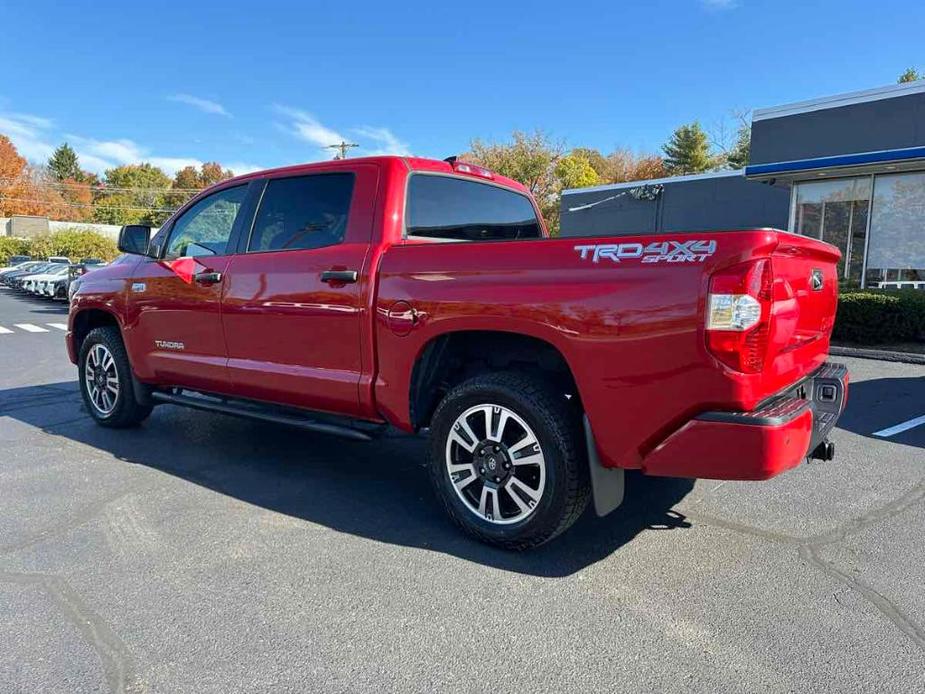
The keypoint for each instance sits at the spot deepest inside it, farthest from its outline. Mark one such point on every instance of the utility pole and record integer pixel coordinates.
(342, 147)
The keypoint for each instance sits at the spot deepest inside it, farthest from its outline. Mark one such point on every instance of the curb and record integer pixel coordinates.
(881, 354)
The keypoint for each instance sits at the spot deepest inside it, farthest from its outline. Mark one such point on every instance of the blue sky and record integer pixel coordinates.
(263, 84)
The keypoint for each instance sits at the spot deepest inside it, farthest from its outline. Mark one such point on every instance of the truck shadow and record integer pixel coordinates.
(880, 403)
(377, 490)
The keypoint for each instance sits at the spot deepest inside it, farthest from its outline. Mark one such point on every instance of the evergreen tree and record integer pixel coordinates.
(63, 164)
(688, 151)
(737, 157)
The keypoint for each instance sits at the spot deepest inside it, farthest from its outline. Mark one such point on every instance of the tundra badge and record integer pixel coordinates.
(169, 344)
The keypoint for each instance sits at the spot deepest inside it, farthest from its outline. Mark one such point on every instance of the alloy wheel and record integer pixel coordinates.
(101, 379)
(495, 464)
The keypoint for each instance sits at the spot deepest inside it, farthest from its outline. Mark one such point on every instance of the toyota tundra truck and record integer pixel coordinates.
(347, 297)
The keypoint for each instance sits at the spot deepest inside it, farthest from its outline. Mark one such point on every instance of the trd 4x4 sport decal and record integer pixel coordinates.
(657, 252)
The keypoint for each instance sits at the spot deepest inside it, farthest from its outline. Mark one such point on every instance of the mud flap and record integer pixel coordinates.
(606, 483)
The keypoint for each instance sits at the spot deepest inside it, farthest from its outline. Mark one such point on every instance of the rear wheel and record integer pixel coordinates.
(506, 459)
(106, 380)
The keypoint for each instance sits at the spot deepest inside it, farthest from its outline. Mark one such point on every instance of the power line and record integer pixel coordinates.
(101, 187)
(343, 147)
(55, 203)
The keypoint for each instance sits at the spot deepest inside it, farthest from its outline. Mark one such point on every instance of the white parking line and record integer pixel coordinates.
(899, 428)
(29, 328)
(59, 326)
(5, 331)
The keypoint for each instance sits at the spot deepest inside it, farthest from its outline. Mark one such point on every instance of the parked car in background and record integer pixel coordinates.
(35, 284)
(19, 275)
(15, 261)
(61, 289)
(60, 259)
(19, 267)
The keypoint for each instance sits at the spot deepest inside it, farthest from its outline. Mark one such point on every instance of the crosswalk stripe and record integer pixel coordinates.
(29, 328)
(59, 326)
(5, 331)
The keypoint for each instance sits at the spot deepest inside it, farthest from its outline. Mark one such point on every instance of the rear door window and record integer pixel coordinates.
(454, 209)
(302, 212)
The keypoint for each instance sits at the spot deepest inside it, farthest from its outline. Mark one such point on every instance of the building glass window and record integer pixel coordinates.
(896, 253)
(836, 212)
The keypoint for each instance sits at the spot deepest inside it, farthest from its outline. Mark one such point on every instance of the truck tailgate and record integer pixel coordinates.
(805, 296)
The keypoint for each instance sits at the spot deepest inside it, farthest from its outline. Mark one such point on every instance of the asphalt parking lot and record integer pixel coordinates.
(210, 554)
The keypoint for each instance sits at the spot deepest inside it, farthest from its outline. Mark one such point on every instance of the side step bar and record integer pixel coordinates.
(244, 410)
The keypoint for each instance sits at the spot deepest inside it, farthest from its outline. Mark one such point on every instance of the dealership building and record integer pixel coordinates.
(848, 169)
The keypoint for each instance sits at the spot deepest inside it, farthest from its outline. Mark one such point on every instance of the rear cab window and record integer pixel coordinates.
(449, 208)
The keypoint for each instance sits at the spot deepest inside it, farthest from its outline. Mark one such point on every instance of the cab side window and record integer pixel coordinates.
(205, 228)
(455, 209)
(302, 212)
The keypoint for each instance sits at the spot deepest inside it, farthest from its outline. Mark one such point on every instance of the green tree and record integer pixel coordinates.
(688, 151)
(737, 157)
(133, 194)
(596, 159)
(910, 75)
(576, 171)
(63, 164)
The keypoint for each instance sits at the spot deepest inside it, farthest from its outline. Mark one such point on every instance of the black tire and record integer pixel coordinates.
(125, 409)
(555, 424)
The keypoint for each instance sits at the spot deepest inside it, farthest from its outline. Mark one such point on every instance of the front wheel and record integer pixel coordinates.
(506, 460)
(106, 380)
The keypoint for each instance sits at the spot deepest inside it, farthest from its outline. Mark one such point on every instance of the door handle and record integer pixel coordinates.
(339, 276)
(208, 277)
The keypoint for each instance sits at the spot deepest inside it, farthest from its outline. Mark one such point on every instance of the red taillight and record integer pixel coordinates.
(739, 315)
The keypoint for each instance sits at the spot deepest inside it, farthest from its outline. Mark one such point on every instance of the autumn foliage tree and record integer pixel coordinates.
(24, 189)
(208, 174)
(133, 194)
(621, 165)
(190, 179)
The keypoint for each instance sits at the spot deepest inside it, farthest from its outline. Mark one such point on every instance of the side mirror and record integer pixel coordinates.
(134, 238)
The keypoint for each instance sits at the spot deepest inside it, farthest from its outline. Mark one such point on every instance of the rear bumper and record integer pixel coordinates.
(760, 444)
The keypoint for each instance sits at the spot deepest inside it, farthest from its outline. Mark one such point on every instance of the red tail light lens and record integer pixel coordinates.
(739, 315)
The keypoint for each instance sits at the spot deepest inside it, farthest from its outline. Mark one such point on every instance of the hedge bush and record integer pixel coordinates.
(878, 316)
(73, 243)
(10, 246)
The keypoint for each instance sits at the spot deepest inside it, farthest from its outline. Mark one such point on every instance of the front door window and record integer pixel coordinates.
(205, 228)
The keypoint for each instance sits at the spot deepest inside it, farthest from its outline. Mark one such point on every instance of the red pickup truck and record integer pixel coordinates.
(347, 296)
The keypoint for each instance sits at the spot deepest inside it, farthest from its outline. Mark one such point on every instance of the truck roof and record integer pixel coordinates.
(413, 164)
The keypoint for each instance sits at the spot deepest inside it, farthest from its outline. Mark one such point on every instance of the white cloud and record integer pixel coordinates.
(373, 141)
(306, 127)
(36, 139)
(719, 5)
(204, 105)
(242, 167)
(385, 139)
(99, 155)
(122, 151)
(29, 134)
